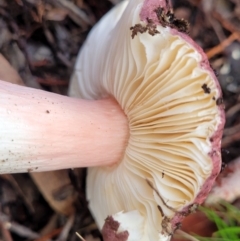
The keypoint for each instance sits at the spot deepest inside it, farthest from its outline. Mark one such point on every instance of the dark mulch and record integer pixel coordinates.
(41, 40)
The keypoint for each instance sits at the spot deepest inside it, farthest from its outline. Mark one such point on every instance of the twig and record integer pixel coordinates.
(19, 191)
(5, 232)
(228, 140)
(80, 236)
(51, 81)
(52, 234)
(50, 225)
(66, 229)
(230, 27)
(231, 130)
(219, 48)
(21, 42)
(52, 43)
(72, 7)
(226, 24)
(233, 110)
(17, 228)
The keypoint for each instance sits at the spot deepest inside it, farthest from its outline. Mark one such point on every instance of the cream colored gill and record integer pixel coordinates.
(157, 80)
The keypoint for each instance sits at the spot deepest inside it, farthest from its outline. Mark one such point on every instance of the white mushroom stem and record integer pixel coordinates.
(41, 131)
(227, 186)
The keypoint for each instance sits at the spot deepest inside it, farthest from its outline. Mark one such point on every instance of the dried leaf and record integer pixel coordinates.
(56, 14)
(8, 73)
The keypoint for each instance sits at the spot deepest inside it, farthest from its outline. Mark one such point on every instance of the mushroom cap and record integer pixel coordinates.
(172, 100)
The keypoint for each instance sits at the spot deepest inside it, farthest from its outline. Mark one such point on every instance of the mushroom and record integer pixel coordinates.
(42, 131)
(140, 55)
(151, 123)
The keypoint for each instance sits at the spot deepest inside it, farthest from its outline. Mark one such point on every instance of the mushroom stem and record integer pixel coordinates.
(42, 131)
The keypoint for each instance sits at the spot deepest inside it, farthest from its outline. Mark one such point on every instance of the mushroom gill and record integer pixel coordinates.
(170, 95)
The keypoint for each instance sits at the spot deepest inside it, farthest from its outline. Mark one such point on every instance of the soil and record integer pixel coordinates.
(41, 40)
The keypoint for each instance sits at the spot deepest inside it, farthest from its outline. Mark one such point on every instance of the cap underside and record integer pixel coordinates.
(170, 101)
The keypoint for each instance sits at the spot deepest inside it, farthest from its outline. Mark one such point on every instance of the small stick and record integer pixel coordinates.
(220, 47)
(226, 24)
(80, 236)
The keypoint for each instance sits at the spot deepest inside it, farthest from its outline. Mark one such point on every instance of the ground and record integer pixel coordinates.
(41, 40)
